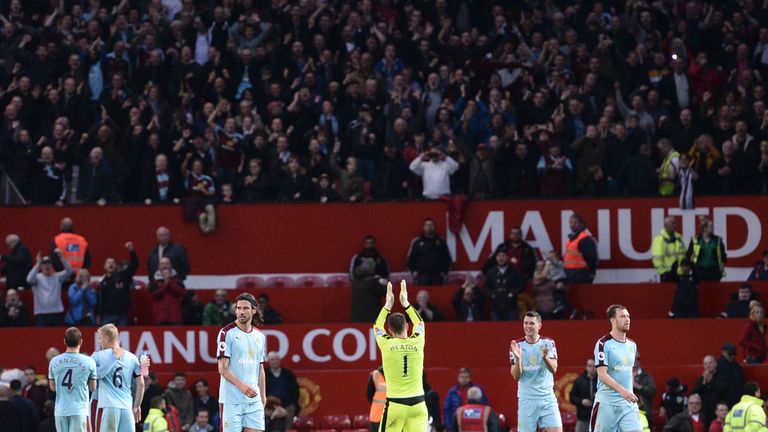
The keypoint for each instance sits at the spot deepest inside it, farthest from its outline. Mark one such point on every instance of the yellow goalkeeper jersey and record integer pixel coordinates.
(403, 359)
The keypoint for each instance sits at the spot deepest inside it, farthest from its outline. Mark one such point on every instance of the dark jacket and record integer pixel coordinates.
(502, 286)
(391, 174)
(48, 185)
(366, 299)
(584, 387)
(711, 393)
(734, 376)
(464, 308)
(150, 190)
(177, 255)
(381, 269)
(685, 303)
(17, 265)
(291, 396)
(97, 182)
(115, 289)
(429, 256)
(527, 263)
(18, 320)
(638, 175)
(679, 423)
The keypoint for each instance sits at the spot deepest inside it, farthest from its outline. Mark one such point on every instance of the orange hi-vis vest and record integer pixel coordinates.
(73, 248)
(473, 418)
(573, 259)
(379, 398)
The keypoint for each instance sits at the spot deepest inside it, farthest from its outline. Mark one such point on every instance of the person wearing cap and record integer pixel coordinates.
(46, 285)
(748, 414)
(760, 271)
(435, 169)
(323, 191)
(482, 174)
(730, 368)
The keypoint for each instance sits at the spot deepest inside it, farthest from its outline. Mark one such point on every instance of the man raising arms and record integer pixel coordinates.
(403, 360)
(242, 350)
(615, 408)
(116, 368)
(71, 375)
(534, 363)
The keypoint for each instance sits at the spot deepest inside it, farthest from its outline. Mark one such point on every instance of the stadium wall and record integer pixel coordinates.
(315, 238)
(333, 361)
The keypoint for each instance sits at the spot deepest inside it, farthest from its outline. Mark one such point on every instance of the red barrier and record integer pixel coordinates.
(322, 238)
(334, 305)
(334, 360)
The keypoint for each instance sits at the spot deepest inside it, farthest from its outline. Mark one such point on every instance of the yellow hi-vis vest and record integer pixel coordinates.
(746, 416)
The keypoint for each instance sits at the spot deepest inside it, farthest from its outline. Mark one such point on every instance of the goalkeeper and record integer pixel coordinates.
(403, 359)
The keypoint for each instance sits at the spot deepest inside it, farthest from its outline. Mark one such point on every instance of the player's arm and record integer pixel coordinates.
(515, 358)
(228, 375)
(138, 397)
(378, 326)
(92, 386)
(418, 322)
(263, 385)
(52, 385)
(602, 375)
(550, 358)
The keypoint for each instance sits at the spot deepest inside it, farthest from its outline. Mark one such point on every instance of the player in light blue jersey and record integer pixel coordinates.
(71, 375)
(534, 363)
(615, 408)
(242, 350)
(117, 410)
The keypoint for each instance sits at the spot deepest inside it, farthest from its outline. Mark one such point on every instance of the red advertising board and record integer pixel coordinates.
(314, 238)
(333, 361)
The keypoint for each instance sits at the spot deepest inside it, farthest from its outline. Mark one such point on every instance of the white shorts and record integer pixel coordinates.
(73, 424)
(615, 418)
(115, 420)
(236, 417)
(534, 414)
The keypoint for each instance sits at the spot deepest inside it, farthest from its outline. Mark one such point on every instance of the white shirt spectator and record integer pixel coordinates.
(435, 174)
(47, 289)
(681, 84)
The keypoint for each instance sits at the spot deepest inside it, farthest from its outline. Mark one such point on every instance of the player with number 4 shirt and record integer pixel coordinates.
(71, 375)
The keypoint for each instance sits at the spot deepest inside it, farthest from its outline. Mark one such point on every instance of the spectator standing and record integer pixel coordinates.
(351, 186)
(46, 286)
(760, 271)
(82, 301)
(29, 415)
(203, 400)
(282, 383)
(740, 302)
(720, 413)
(555, 172)
(582, 395)
(154, 420)
(219, 311)
(686, 176)
(667, 249)
(674, 399)
(729, 367)
(428, 311)
(469, 301)
(369, 251)
(503, 284)
(170, 249)
(669, 166)
(643, 384)
(115, 289)
(685, 303)
(376, 392)
(151, 390)
(749, 409)
(167, 292)
(580, 260)
(707, 252)
(457, 396)
(12, 415)
(17, 262)
(429, 260)
(475, 415)
(34, 390)
(367, 292)
(435, 168)
(191, 309)
(712, 387)
(74, 248)
(271, 315)
(521, 254)
(13, 312)
(690, 420)
(752, 338)
(179, 395)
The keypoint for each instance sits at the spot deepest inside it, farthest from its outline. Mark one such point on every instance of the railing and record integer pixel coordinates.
(9, 193)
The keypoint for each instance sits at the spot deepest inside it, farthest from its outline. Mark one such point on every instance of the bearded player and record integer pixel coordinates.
(534, 363)
(241, 353)
(403, 359)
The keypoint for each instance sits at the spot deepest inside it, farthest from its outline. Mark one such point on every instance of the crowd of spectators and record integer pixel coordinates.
(239, 101)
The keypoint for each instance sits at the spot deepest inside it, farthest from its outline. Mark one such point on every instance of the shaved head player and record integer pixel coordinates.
(615, 408)
(242, 350)
(403, 359)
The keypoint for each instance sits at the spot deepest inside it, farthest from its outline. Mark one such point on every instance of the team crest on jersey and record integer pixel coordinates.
(601, 356)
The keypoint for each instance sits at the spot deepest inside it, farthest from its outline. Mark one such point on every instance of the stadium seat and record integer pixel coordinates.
(338, 281)
(336, 422)
(456, 279)
(281, 282)
(395, 277)
(249, 283)
(310, 282)
(139, 284)
(569, 421)
(361, 421)
(304, 423)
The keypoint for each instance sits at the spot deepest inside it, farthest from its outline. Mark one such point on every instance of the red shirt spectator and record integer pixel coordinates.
(167, 292)
(752, 338)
